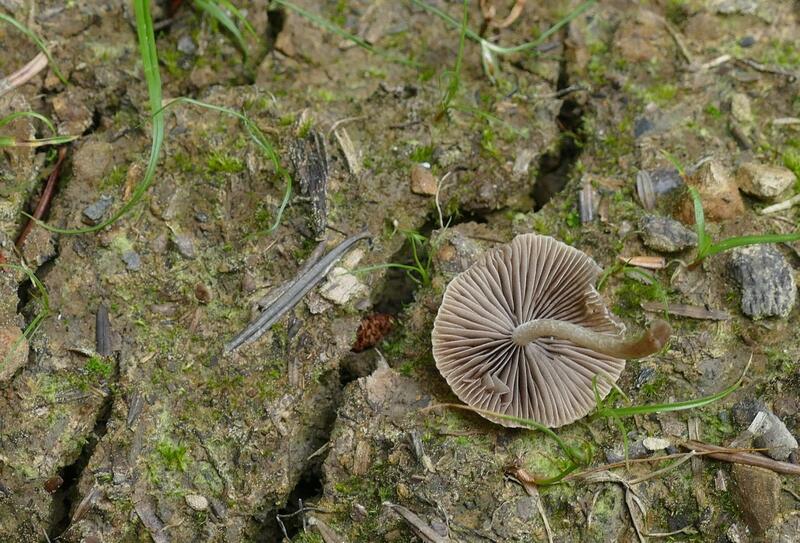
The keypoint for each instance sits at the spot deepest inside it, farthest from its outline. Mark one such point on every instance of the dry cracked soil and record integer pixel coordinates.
(140, 427)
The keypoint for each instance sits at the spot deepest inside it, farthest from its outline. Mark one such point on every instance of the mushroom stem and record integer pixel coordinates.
(651, 341)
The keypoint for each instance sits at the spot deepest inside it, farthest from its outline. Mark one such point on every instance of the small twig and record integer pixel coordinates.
(662, 471)
(293, 293)
(24, 74)
(340, 122)
(44, 201)
(757, 66)
(736, 457)
(780, 206)
(417, 525)
(713, 63)
(439, 187)
(678, 39)
(781, 121)
(622, 463)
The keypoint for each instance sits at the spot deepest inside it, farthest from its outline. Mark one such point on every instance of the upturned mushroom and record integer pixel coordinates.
(523, 332)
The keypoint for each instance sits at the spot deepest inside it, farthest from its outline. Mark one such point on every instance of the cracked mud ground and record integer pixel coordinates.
(296, 434)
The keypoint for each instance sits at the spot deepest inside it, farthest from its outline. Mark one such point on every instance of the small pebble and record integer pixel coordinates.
(185, 245)
(666, 235)
(53, 484)
(422, 181)
(763, 181)
(745, 410)
(202, 293)
(642, 126)
(132, 260)
(747, 41)
(655, 443)
(95, 212)
(772, 434)
(186, 45)
(196, 502)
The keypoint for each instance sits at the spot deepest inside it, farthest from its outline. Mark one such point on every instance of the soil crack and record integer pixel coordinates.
(556, 166)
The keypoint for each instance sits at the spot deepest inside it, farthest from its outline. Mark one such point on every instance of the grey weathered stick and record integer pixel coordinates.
(419, 526)
(102, 332)
(24, 74)
(750, 459)
(293, 293)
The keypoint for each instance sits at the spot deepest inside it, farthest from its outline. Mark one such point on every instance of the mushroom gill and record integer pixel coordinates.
(523, 332)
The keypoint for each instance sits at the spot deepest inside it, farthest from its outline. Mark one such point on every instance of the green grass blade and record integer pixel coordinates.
(260, 140)
(219, 15)
(741, 241)
(38, 41)
(147, 49)
(528, 46)
(330, 27)
(611, 412)
(455, 77)
(36, 322)
(239, 15)
(703, 241)
(16, 115)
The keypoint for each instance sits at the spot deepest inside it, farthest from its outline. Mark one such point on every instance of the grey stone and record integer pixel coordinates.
(646, 375)
(95, 212)
(763, 181)
(666, 235)
(196, 502)
(185, 245)
(666, 180)
(767, 281)
(747, 41)
(132, 260)
(758, 493)
(772, 434)
(186, 45)
(636, 449)
(744, 411)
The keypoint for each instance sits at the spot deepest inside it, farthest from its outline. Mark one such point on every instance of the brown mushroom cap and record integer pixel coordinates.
(548, 380)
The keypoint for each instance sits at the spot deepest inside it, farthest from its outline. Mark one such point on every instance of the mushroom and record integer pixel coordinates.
(523, 332)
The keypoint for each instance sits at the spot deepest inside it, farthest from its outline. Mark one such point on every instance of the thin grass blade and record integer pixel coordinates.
(219, 15)
(37, 40)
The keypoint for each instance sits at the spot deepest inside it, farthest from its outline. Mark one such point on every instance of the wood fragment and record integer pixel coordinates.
(781, 121)
(325, 531)
(648, 262)
(146, 512)
(349, 150)
(757, 66)
(44, 201)
(645, 190)
(678, 39)
(292, 293)
(24, 74)
(310, 161)
(719, 61)
(417, 525)
(750, 459)
(781, 206)
(689, 311)
(102, 332)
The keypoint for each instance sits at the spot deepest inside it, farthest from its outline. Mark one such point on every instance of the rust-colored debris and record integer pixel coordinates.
(371, 330)
(53, 484)
(44, 201)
